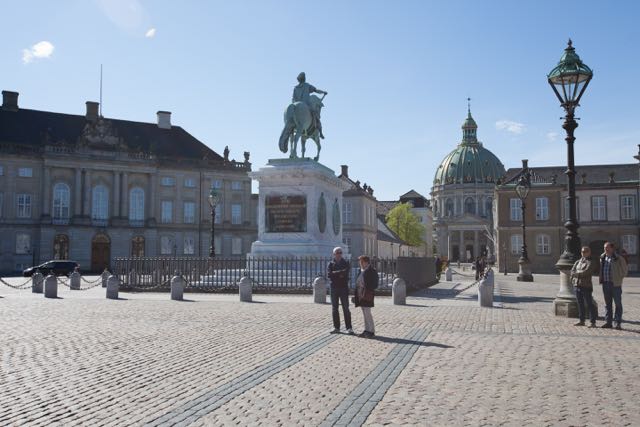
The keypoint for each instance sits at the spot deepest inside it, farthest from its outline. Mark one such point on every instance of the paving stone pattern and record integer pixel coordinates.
(211, 360)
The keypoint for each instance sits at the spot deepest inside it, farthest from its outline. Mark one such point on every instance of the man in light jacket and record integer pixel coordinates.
(613, 269)
(581, 277)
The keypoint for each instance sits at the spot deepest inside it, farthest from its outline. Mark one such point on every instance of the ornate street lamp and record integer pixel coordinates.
(213, 202)
(569, 79)
(522, 190)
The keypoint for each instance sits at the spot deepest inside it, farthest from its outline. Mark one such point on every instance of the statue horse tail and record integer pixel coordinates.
(289, 126)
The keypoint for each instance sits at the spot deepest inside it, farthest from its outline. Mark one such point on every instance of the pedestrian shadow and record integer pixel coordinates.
(391, 340)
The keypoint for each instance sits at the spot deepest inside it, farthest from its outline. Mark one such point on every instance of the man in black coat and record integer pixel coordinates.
(338, 273)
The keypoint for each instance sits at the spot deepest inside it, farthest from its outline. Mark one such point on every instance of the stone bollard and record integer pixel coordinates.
(320, 290)
(177, 287)
(105, 276)
(448, 274)
(489, 276)
(245, 289)
(113, 286)
(485, 292)
(36, 283)
(74, 281)
(399, 292)
(51, 287)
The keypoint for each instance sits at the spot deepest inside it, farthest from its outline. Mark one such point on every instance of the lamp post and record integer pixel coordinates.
(522, 190)
(569, 79)
(213, 202)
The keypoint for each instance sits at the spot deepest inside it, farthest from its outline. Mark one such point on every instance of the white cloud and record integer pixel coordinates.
(151, 32)
(510, 126)
(43, 49)
(552, 136)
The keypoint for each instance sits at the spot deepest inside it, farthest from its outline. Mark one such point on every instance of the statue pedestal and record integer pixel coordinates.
(299, 209)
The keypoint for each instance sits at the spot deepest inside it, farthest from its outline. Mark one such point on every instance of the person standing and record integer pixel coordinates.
(338, 273)
(366, 283)
(613, 269)
(581, 276)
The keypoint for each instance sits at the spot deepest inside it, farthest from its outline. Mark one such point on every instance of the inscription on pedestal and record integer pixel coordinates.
(285, 214)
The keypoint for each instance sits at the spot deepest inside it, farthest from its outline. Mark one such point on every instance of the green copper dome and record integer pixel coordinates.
(469, 162)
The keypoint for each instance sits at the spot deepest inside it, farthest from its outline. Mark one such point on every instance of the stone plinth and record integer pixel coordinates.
(299, 209)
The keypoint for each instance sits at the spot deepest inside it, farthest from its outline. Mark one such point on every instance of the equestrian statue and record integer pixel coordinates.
(302, 119)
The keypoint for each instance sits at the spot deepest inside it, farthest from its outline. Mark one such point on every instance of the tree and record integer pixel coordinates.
(405, 224)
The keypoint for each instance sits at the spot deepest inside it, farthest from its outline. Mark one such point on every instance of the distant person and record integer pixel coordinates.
(581, 274)
(366, 283)
(338, 273)
(477, 265)
(438, 267)
(613, 269)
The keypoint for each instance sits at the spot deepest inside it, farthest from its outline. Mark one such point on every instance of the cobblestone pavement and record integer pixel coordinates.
(211, 360)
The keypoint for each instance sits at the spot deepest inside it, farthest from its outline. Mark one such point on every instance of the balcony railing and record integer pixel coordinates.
(60, 221)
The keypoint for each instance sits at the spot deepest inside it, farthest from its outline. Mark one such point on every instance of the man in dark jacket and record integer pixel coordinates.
(338, 273)
(366, 283)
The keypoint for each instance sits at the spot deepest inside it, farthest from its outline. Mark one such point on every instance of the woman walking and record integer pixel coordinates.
(366, 283)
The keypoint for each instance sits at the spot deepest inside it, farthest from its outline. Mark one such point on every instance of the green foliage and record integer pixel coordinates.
(406, 224)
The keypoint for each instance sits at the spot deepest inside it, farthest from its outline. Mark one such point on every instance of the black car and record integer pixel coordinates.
(58, 267)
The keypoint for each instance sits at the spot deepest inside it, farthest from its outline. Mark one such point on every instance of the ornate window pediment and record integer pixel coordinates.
(100, 134)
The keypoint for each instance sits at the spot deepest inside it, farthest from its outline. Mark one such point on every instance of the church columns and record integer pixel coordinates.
(462, 250)
(87, 193)
(116, 195)
(476, 244)
(46, 200)
(77, 191)
(449, 246)
(125, 195)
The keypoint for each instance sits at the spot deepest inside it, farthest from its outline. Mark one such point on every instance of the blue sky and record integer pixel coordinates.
(398, 74)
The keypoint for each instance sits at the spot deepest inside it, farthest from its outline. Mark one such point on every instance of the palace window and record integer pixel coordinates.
(61, 197)
(542, 208)
(236, 185)
(630, 244)
(168, 181)
(515, 209)
(449, 208)
(347, 210)
(627, 207)
(23, 243)
(236, 214)
(598, 208)
(100, 205)
(216, 183)
(25, 172)
(236, 246)
(347, 241)
(23, 205)
(166, 211)
(189, 212)
(189, 247)
(566, 209)
(516, 244)
(543, 246)
(189, 182)
(136, 204)
(166, 245)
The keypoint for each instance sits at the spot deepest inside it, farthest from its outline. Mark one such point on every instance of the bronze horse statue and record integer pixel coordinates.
(299, 125)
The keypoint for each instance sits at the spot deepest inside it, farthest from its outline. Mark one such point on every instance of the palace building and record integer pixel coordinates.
(91, 188)
(462, 197)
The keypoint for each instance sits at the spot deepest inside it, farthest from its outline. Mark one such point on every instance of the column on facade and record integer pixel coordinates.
(87, 193)
(462, 250)
(476, 244)
(77, 191)
(46, 192)
(449, 247)
(125, 195)
(116, 195)
(152, 196)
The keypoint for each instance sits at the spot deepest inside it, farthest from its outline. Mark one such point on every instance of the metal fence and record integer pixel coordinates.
(268, 274)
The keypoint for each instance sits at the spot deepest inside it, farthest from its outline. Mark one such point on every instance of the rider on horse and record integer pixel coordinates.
(301, 93)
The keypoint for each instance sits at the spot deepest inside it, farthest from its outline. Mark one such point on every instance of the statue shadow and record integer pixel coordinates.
(392, 340)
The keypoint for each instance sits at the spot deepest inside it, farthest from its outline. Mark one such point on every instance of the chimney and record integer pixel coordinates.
(92, 111)
(164, 119)
(525, 164)
(345, 171)
(9, 100)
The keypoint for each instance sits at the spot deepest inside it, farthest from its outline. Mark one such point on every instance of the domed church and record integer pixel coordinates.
(462, 197)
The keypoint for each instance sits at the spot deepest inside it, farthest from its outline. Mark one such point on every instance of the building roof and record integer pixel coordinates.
(469, 162)
(383, 207)
(356, 189)
(585, 174)
(33, 129)
(412, 194)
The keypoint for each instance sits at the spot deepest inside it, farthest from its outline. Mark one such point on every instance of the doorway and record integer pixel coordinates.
(100, 253)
